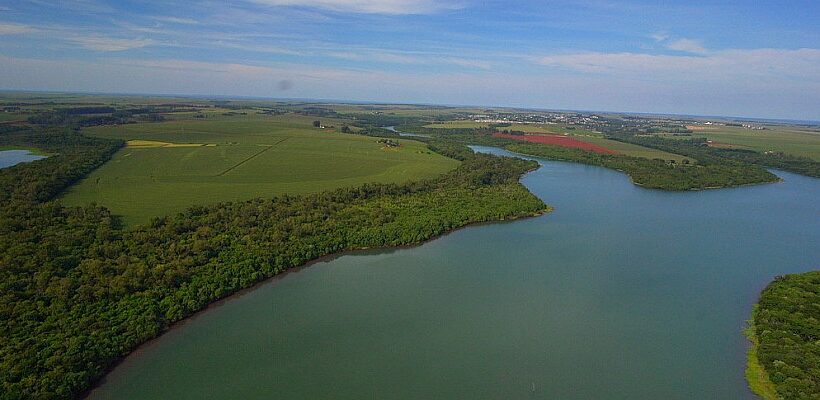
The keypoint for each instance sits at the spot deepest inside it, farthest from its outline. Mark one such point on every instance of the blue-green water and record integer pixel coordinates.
(621, 293)
(10, 158)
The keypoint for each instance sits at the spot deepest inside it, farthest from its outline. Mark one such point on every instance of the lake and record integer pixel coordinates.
(620, 293)
(9, 158)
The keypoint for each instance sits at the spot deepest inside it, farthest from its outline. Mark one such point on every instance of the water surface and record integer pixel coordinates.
(620, 293)
(393, 129)
(10, 158)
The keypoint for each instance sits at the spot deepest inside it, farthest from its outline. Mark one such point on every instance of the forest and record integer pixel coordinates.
(787, 328)
(78, 293)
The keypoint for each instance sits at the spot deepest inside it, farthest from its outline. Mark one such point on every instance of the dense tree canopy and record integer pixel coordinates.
(77, 293)
(787, 328)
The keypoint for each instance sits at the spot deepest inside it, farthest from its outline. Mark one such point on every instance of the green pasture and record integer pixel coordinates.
(787, 139)
(240, 158)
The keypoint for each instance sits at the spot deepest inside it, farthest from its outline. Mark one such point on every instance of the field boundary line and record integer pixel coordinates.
(267, 147)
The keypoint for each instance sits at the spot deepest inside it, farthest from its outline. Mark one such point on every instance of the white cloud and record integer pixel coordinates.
(687, 46)
(659, 37)
(371, 6)
(14, 29)
(100, 43)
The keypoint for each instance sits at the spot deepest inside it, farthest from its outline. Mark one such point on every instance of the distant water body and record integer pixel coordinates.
(393, 129)
(620, 293)
(10, 158)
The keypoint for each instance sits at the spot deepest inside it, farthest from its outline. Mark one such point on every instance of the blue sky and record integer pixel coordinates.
(742, 58)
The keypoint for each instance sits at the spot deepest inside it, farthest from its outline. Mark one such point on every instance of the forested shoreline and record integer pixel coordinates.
(709, 172)
(785, 332)
(78, 293)
(698, 148)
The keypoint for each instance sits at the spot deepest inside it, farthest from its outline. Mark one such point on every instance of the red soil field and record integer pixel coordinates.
(557, 140)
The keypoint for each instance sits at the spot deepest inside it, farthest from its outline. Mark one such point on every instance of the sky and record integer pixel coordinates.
(736, 58)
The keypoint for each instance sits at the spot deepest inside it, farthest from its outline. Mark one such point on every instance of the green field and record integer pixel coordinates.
(240, 158)
(787, 139)
(9, 117)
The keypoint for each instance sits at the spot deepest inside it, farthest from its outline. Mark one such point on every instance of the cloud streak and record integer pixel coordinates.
(394, 7)
(733, 65)
(15, 29)
(100, 43)
(687, 46)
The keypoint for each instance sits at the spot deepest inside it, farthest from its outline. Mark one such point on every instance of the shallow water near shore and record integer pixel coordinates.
(620, 293)
(9, 158)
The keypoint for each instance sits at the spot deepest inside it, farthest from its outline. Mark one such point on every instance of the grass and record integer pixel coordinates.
(170, 166)
(787, 139)
(756, 376)
(8, 117)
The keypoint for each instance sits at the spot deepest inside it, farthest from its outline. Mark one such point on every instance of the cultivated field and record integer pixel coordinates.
(557, 140)
(788, 139)
(170, 166)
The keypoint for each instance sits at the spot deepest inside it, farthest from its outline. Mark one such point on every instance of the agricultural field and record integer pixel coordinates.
(167, 167)
(557, 140)
(786, 139)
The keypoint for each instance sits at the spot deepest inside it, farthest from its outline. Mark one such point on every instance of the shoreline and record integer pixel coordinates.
(632, 181)
(756, 376)
(282, 275)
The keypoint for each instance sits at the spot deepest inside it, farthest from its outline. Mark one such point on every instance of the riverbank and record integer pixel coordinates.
(706, 172)
(759, 382)
(33, 150)
(285, 274)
